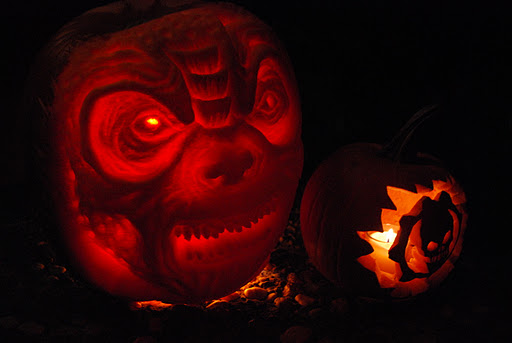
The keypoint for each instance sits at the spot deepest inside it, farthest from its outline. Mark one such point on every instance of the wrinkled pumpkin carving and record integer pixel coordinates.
(381, 227)
(175, 147)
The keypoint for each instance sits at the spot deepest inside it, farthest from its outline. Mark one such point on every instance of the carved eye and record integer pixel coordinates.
(276, 107)
(272, 104)
(130, 136)
(150, 128)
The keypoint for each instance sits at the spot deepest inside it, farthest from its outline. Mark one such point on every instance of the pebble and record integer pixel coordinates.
(55, 269)
(272, 296)
(218, 304)
(31, 328)
(231, 297)
(256, 293)
(38, 266)
(296, 334)
(304, 300)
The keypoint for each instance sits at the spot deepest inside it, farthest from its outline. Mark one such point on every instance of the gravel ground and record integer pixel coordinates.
(44, 300)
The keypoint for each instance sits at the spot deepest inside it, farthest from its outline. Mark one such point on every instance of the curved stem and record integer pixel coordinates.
(395, 148)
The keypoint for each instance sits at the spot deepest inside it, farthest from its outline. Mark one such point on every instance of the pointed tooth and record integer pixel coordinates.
(178, 230)
(187, 233)
(205, 232)
(197, 232)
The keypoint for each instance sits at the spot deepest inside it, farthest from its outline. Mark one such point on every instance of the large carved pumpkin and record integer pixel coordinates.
(175, 146)
(381, 227)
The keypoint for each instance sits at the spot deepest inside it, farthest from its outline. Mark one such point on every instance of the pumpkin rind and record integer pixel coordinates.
(175, 147)
(349, 194)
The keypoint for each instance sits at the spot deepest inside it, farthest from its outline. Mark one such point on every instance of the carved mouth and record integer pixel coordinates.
(440, 255)
(214, 228)
(216, 240)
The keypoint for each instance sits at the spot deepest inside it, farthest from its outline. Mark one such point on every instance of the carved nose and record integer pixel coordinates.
(231, 167)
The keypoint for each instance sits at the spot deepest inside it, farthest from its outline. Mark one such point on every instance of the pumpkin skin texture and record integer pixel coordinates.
(175, 147)
(358, 191)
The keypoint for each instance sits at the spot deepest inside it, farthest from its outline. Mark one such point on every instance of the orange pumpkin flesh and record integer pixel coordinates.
(359, 192)
(176, 152)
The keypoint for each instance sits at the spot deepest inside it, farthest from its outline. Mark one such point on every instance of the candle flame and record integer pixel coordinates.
(390, 236)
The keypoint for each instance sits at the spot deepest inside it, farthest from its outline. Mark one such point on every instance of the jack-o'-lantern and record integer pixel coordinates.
(381, 227)
(175, 146)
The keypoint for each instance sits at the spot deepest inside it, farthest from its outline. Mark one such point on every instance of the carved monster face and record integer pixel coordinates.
(177, 153)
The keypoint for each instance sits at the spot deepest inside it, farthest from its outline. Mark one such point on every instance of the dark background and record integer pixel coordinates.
(363, 68)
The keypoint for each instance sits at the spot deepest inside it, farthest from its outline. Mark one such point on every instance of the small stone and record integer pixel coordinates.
(55, 269)
(9, 322)
(296, 334)
(218, 304)
(31, 328)
(304, 300)
(231, 297)
(288, 291)
(272, 296)
(52, 278)
(38, 266)
(256, 293)
(293, 278)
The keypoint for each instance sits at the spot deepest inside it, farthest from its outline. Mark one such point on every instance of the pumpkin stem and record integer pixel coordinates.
(395, 148)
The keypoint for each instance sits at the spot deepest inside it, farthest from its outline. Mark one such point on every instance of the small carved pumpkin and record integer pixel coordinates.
(175, 146)
(380, 227)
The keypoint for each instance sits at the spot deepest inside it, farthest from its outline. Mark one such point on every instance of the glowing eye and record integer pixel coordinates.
(152, 123)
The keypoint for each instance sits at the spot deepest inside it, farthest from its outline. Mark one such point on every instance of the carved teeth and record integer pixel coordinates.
(213, 228)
